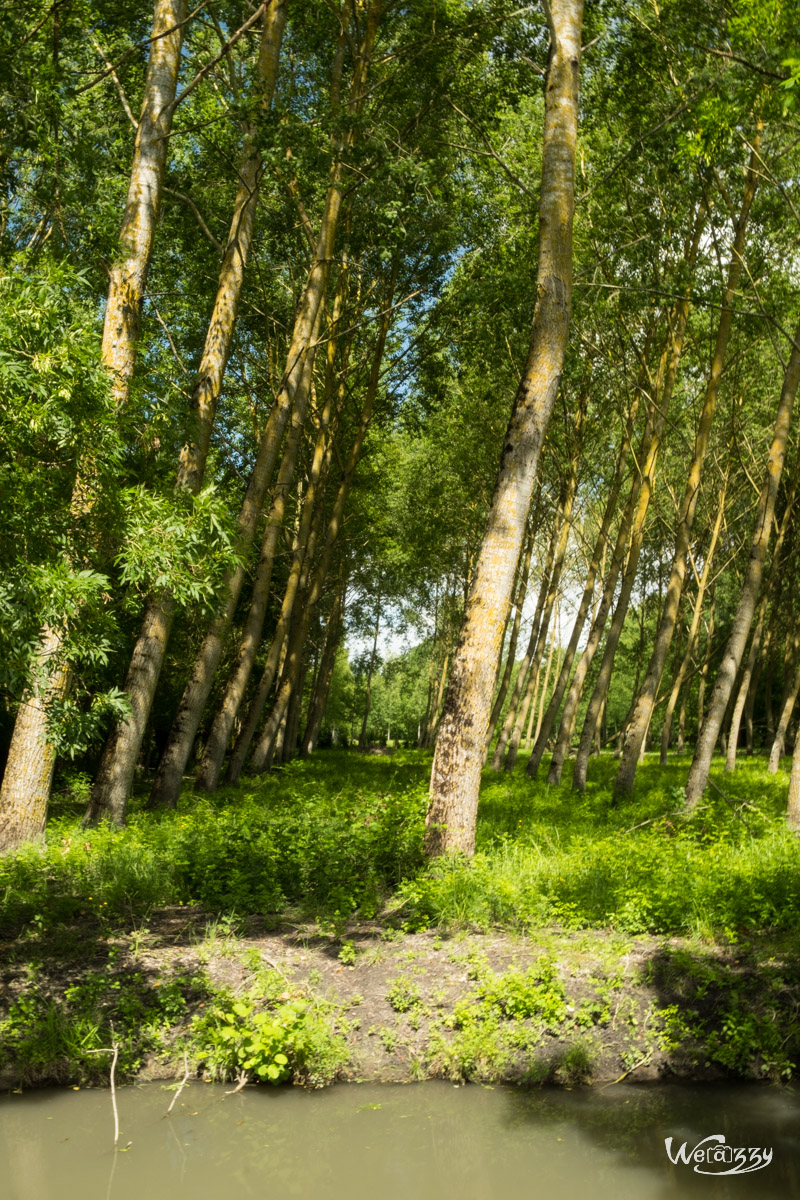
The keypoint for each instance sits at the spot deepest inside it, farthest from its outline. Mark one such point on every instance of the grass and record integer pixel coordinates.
(340, 836)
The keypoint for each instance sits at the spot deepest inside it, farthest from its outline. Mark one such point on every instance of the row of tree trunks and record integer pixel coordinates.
(685, 660)
(28, 775)
(519, 603)
(532, 681)
(312, 590)
(645, 702)
(117, 765)
(319, 696)
(732, 657)
(169, 774)
(547, 721)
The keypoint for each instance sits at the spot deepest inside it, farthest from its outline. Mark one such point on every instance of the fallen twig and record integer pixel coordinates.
(182, 1085)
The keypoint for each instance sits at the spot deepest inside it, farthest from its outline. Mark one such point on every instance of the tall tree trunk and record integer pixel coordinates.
(458, 757)
(519, 603)
(362, 737)
(686, 660)
(776, 753)
(704, 670)
(555, 640)
(793, 797)
(643, 710)
(726, 677)
(31, 762)
(117, 765)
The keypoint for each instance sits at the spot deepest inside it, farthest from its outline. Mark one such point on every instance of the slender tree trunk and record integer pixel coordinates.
(532, 681)
(686, 660)
(726, 677)
(635, 509)
(790, 700)
(546, 722)
(643, 709)
(519, 602)
(319, 698)
(117, 765)
(529, 733)
(458, 758)
(362, 738)
(541, 600)
(704, 670)
(31, 762)
(746, 691)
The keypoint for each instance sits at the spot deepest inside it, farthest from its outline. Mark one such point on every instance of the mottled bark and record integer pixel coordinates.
(645, 702)
(726, 677)
(118, 762)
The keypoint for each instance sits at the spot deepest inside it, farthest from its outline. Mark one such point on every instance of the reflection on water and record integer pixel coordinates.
(380, 1142)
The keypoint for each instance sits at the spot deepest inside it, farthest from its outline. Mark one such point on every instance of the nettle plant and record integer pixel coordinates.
(256, 1043)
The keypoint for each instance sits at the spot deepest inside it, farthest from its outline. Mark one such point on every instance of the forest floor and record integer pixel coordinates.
(585, 943)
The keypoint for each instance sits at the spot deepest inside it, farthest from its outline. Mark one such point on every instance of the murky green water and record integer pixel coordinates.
(416, 1142)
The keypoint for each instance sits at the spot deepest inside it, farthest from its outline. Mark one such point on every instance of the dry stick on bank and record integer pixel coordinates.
(528, 697)
(726, 676)
(459, 753)
(29, 769)
(117, 765)
(169, 775)
(645, 702)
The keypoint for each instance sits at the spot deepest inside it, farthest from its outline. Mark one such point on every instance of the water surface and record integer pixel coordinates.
(365, 1142)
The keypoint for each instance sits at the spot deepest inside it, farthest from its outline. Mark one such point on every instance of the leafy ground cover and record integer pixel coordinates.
(585, 939)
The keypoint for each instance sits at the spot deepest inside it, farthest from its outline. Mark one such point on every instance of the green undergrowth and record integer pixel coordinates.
(275, 1032)
(340, 837)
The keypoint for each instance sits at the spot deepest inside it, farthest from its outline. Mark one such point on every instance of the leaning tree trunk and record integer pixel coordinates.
(776, 753)
(458, 757)
(645, 702)
(726, 677)
(31, 761)
(319, 697)
(793, 798)
(117, 765)
(519, 602)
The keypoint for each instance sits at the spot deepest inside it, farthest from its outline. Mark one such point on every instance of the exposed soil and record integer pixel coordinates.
(614, 976)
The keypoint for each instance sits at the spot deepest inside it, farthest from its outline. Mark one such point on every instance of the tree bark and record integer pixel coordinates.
(362, 737)
(519, 602)
(319, 698)
(643, 709)
(726, 677)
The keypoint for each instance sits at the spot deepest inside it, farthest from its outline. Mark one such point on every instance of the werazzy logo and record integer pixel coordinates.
(712, 1156)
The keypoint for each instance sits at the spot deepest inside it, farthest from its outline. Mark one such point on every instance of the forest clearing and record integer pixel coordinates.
(399, 606)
